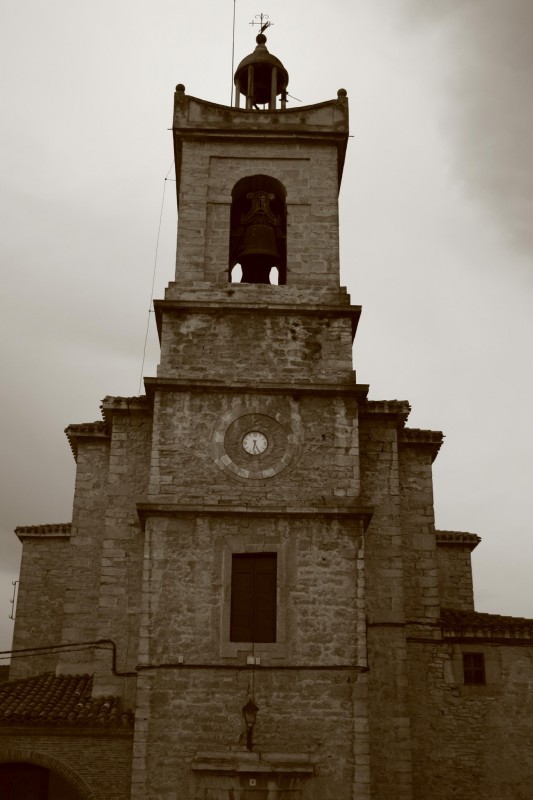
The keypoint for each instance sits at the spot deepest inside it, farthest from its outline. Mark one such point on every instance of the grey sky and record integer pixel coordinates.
(487, 91)
(436, 242)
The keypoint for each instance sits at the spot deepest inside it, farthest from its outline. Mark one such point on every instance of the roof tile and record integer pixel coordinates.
(480, 623)
(56, 528)
(50, 699)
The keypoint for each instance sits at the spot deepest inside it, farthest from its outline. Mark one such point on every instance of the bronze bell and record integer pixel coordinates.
(258, 250)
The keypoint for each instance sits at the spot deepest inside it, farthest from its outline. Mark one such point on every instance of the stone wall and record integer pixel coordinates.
(304, 683)
(380, 489)
(401, 579)
(209, 173)
(85, 553)
(120, 572)
(197, 454)
(471, 741)
(184, 713)
(421, 584)
(187, 584)
(455, 569)
(265, 343)
(44, 578)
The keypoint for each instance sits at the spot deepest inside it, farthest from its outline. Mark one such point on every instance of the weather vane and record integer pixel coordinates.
(264, 22)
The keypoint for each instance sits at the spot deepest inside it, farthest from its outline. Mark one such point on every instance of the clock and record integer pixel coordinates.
(255, 443)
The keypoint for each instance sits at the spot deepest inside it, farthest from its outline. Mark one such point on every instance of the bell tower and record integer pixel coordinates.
(253, 529)
(259, 184)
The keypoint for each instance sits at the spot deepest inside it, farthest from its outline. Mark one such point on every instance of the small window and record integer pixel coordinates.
(253, 597)
(474, 669)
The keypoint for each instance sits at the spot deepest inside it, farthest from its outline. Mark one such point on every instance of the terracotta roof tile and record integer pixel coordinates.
(470, 540)
(97, 428)
(59, 700)
(53, 529)
(85, 430)
(481, 624)
(124, 402)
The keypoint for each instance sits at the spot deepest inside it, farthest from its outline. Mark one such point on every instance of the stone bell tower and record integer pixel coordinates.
(253, 577)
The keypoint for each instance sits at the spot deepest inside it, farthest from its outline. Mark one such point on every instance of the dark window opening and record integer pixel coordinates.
(253, 597)
(474, 669)
(258, 231)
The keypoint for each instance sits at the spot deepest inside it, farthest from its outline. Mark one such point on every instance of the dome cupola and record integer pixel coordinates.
(260, 78)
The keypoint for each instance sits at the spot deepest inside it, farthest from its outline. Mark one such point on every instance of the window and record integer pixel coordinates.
(474, 669)
(253, 597)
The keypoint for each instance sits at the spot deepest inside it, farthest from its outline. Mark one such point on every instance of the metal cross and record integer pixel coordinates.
(264, 22)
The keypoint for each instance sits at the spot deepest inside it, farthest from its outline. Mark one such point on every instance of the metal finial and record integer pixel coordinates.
(264, 22)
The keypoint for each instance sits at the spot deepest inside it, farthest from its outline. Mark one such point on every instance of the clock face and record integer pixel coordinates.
(254, 443)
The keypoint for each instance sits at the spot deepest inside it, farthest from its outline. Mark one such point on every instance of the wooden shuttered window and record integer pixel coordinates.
(253, 597)
(474, 669)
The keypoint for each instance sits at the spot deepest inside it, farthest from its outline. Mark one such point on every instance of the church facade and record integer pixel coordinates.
(252, 601)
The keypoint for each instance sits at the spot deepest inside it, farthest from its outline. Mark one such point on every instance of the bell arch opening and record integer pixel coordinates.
(258, 231)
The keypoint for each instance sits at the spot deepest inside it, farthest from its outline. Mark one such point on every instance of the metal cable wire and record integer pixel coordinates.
(153, 278)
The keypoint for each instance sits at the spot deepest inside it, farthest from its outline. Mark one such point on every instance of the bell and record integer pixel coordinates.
(258, 253)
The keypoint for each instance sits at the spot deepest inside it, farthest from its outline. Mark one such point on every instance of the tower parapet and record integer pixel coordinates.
(301, 151)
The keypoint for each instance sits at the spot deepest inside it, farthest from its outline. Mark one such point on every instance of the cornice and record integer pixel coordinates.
(243, 762)
(200, 120)
(219, 308)
(112, 405)
(60, 530)
(417, 437)
(158, 508)
(397, 410)
(152, 385)
(457, 538)
(88, 431)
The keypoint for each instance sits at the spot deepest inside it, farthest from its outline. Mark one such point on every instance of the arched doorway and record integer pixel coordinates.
(26, 780)
(19, 781)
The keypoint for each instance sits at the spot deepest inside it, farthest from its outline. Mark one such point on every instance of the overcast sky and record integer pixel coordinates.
(436, 230)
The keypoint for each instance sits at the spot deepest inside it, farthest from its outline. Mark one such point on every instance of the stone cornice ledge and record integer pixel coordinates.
(398, 410)
(112, 405)
(422, 438)
(253, 762)
(255, 307)
(162, 509)
(89, 431)
(152, 385)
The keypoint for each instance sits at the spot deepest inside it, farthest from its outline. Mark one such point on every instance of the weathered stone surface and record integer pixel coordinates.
(471, 741)
(40, 613)
(455, 569)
